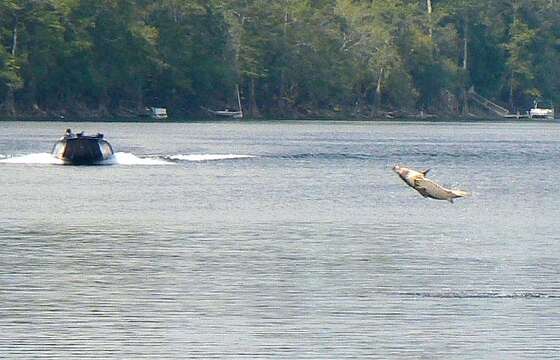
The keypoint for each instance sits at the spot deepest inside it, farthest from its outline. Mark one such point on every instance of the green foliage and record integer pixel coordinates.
(288, 56)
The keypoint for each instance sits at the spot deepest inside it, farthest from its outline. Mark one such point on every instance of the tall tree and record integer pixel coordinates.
(10, 59)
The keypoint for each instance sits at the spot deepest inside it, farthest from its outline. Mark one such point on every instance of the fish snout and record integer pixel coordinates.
(396, 168)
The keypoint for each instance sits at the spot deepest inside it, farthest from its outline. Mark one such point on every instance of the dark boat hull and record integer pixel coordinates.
(82, 150)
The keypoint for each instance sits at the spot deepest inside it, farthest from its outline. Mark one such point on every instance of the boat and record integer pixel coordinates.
(227, 113)
(542, 109)
(157, 113)
(80, 149)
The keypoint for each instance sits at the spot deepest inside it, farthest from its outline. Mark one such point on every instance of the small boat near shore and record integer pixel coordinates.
(227, 113)
(542, 109)
(80, 149)
(157, 113)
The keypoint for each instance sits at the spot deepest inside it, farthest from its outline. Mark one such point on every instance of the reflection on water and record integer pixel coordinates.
(311, 249)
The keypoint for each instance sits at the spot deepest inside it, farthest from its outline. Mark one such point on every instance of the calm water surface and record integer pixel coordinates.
(286, 240)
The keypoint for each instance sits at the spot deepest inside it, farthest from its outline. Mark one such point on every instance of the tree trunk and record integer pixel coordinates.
(282, 87)
(429, 6)
(511, 91)
(9, 101)
(14, 36)
(465, 43)
(239, 106)
(254, 108)
(377, 99)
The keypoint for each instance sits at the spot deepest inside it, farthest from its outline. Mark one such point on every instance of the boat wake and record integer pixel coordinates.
(207, 157)
(39, 158)
(119, 158)
(122, 158)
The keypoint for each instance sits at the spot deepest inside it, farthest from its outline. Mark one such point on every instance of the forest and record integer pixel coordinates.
(289, 58)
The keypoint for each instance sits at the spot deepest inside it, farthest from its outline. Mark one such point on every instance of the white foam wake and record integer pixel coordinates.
(208, 157)
(119, 158)
(38, 158)
(122, 158)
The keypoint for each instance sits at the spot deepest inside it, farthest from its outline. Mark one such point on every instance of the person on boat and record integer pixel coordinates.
(68, 133)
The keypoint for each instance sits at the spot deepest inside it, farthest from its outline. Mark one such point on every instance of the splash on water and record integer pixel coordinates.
(207, 157)
(119, 158)
(122, 158)
(38, 158)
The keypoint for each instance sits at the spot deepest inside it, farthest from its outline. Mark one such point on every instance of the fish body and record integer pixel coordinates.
(426, 187)
(436, 191)
(410, 177)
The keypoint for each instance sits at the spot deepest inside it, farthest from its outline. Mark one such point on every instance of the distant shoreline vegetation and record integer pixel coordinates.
(182, 119)
(336, 59)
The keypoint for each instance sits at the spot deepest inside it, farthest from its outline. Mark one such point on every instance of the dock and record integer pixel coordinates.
(493, 107)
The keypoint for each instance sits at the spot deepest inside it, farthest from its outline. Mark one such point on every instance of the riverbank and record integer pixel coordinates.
(311, 116)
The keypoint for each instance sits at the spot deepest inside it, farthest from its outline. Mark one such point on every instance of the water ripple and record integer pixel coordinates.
(480, 295)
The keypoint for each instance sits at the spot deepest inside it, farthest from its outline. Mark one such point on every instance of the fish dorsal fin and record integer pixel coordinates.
(425, 172)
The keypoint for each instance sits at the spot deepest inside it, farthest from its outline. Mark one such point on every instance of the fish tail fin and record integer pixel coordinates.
(460, 193)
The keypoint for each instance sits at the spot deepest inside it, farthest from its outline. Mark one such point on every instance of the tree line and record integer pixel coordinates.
(288, 57)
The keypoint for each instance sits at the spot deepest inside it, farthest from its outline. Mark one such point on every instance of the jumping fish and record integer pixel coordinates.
(426, 187)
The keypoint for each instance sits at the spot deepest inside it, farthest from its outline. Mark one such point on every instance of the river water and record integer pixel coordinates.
(281, 240)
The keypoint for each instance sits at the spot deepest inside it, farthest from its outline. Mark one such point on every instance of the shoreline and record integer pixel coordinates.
(129, 116)
(325, 115)
(117, 119)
